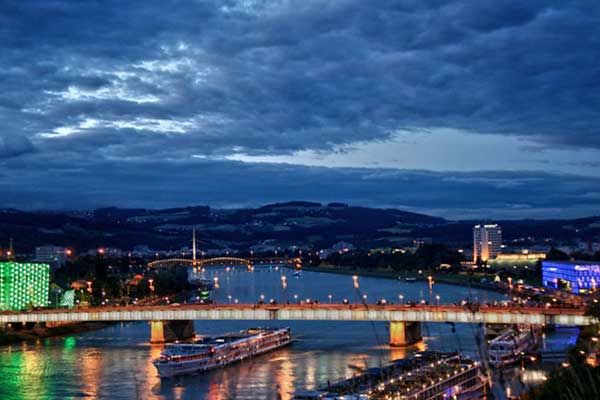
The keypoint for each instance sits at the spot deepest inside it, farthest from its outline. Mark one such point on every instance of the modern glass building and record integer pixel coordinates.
(23, 285)
(578, 277)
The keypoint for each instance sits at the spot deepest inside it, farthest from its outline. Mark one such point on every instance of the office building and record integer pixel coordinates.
(56, 256)
(487, 242)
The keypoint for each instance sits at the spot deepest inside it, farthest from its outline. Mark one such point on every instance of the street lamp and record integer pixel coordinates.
(364, 296)
(330, 297)
(57, 292)
(216, 286)
(283, 287)
(437, 299)
(401, 297)
(430, 282)
(229, 297)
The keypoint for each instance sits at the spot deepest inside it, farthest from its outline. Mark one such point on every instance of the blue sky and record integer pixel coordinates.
(463, 109)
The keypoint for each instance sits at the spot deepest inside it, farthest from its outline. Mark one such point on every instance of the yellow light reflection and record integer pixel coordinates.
(285, 375)
(32, 373)
(91, 372)
(403, 352)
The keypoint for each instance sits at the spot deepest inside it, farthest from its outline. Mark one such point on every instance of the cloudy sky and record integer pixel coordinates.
(461, 109)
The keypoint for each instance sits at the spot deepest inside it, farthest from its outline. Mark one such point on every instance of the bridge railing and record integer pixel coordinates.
(333, 312)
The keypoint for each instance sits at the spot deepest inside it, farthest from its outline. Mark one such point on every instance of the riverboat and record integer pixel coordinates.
(426, 375)
(512, 345)
(218, 351)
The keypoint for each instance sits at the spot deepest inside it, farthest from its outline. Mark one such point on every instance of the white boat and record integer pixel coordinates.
(512, 344)
(218, 351)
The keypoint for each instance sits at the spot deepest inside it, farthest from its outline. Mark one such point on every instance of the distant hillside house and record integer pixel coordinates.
(55, 256)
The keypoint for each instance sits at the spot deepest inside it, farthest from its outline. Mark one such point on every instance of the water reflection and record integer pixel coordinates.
(91, 372)
(397, 353)
(115, 363)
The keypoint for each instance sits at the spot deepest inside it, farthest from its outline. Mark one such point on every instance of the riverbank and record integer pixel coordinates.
(9, 335)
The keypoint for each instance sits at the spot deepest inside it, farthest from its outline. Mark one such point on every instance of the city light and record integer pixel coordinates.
(23, 285)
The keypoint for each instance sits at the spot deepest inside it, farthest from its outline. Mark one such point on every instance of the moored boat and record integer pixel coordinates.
(218, 351)
(512, 345)
(425, 376)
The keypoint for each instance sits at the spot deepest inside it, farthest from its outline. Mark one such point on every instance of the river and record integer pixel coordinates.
(115, 362)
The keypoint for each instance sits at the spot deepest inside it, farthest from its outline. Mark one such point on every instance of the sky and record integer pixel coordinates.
(461, 109)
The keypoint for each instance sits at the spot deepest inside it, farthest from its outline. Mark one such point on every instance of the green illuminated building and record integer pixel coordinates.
(23, 285)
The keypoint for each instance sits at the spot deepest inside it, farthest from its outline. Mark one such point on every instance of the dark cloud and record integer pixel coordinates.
(159, 183)
(14, 145)
(105, 83)
(283, 76)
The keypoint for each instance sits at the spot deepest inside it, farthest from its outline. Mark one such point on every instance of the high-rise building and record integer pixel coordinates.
(487, 242)
(23, 285)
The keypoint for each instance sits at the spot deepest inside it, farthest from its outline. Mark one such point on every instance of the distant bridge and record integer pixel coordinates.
(308, 312)
(216, 261)
(225, 261)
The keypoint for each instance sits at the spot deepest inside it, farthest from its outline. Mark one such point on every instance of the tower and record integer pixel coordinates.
(194, 246)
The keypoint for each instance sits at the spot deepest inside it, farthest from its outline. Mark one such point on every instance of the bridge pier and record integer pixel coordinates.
(404, 333)
(170, 331)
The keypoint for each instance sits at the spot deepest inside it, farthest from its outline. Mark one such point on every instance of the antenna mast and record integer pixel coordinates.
(194, 246)
(11, 250)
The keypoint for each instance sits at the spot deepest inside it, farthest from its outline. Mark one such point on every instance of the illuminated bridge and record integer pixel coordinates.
(225, 261)
(402, 318)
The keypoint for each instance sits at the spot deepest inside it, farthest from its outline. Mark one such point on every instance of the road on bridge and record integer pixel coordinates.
(334, 312)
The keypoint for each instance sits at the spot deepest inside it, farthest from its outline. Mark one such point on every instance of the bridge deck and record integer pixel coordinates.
(307, 312)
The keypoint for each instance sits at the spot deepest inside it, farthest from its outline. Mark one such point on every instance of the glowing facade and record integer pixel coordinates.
(23, 285)
(487, 242)
(574, 276)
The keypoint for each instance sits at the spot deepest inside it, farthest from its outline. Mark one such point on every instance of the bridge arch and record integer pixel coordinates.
(207, 262)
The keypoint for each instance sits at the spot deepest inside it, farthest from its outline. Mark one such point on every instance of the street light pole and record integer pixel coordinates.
(430, 283)
(356, 286)
(283, 287)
